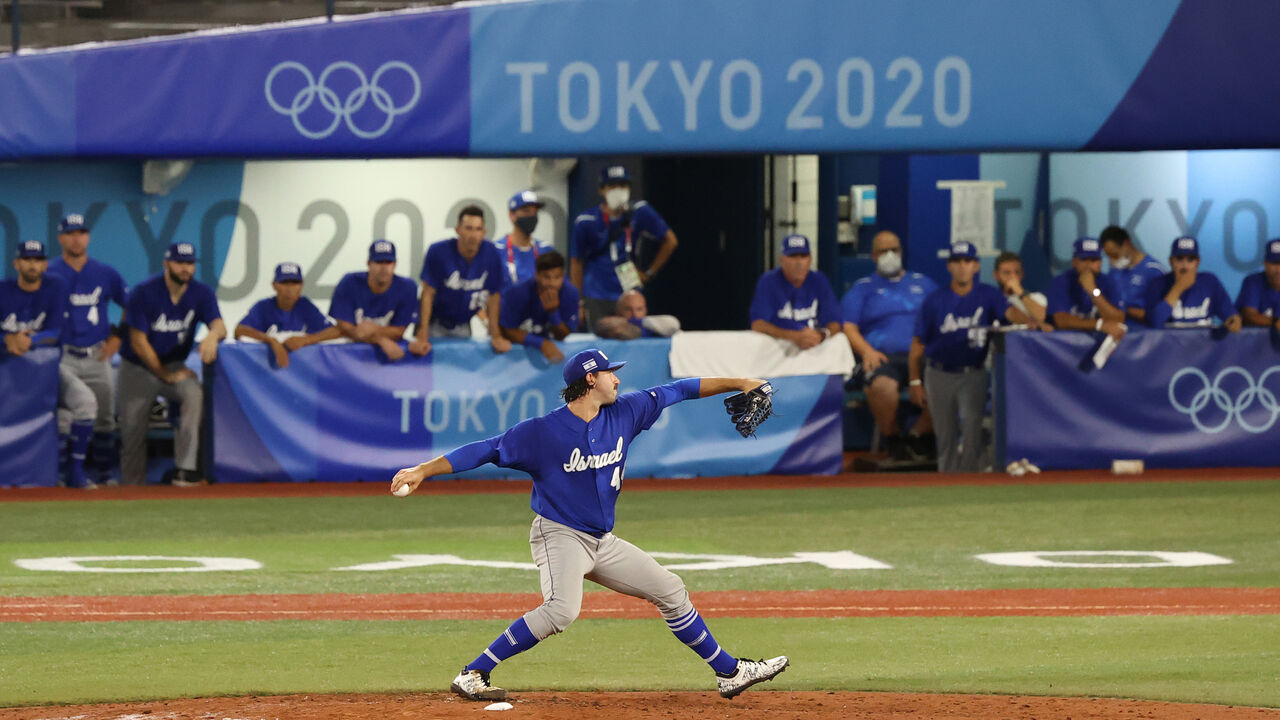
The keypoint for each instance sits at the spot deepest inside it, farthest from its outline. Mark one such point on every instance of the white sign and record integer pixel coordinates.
(973, 212)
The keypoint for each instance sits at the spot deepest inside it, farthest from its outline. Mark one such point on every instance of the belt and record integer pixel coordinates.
(83, 352)
(952, 368)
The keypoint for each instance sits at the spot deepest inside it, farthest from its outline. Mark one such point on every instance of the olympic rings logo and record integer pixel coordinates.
(366, 90)
(1233, 409)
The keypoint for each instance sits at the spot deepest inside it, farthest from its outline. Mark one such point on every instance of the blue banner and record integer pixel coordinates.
(339, 413)
(575, 76)
(28, 423)
(1172, 398)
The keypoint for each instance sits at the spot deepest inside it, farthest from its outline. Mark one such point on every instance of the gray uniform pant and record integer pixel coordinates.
(951, 394)
(138, 390)
(565, 556)
(75, 400)
(95, 374)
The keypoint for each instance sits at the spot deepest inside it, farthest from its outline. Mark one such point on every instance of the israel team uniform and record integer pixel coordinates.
(522, 310)
(268, 317)
(777, 301)
(1198, 306)
(520, 261)
(1257, 294)
(462, 286)
(1067, 295)
(40, 312)
(885, 309)
(1132, 283)
(90, 294)
(354, 302)
(602, 240)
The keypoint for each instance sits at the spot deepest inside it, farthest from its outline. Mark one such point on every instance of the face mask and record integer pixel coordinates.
(889, 263)
(617, 198)
(1121, 264)
(527, 224)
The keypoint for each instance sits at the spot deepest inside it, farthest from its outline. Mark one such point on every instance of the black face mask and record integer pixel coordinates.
(527, 224)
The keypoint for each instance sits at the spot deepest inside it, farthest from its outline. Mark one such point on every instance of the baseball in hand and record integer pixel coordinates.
(403, 490)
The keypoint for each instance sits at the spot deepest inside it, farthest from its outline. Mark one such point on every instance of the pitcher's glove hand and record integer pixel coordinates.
(747, 410)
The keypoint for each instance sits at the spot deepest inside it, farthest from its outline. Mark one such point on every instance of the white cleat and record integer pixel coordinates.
(749, 673)
(474, 685)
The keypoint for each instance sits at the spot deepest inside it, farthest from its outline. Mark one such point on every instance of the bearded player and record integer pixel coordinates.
(577, 456)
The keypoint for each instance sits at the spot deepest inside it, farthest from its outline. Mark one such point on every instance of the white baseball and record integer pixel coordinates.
(403, 490)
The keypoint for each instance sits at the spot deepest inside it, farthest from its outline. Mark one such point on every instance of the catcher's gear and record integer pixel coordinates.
(747, 410)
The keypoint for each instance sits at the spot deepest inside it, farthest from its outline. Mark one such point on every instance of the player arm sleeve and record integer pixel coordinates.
(473, 455)
(407, 309)
(649, 219)
(1158, 309)
(1112, 292)
(1222, 301)
(828, 307)
(1057, 299)
(341, 307)
(1249, 295)
(650, 403)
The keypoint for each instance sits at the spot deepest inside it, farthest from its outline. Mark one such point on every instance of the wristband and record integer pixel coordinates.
(1098, 326)
(915, 383)
(533, 341)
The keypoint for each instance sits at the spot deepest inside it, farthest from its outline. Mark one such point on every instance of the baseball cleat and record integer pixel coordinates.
(474, 685)
(749, 673)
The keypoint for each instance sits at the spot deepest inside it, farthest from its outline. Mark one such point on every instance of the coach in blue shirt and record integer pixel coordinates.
(879, 318)
(541, 310)
(287, 321)
(164, 313)
(793, 302)
(1259, 298)
(1131, 270)
(376, 306)
(1082, 298)
(604, 243)
(461, 277)
(519, 248)
(1187, 297)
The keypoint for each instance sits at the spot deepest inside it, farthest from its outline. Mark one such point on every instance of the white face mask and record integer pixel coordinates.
(889, 263)
(617, 198)
(1122, 264)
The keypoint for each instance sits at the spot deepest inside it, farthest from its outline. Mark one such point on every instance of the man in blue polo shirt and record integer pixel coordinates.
(1082, 298)
(32, 309)
(793, 302)
(879, 317)
(287, 321)
(606, 240)
(88, 339)
(1131, 270)
(541, 310)
(461, 277)
(948, 356)
(376, 306)
(1259, 298)
(518, 248)
(1187, 297)
(165, 310)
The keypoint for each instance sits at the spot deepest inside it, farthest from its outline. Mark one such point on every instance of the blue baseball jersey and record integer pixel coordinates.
(577, 467)
(1067, 295)
(953, 328)
(601, 241)
(1257, 294)
(1132, 282)
(777, 301)
(522, 308)
(267, 316)
(519, 261)
(353, 301)
(462, 286)
(1198, 306)
(39, 311)
(89, 296)
(170, 328)
(885, 309)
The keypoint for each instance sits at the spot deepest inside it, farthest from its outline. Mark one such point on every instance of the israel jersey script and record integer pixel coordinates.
(90, 294)
(1198, 306)
(953, 328)
(778, 302)
(354, 302)
(170, 328)
(577, 467)
(462, 286)
(22, 311)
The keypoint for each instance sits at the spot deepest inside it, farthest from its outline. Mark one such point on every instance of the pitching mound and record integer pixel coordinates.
(757, 705)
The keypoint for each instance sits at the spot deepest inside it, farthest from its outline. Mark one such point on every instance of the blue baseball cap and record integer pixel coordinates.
(382, 251)
(181, 252)
(1273, 251)
(31, 249)
(288, 272)
(615, 174)
(795, 245)
(72, 223)
(1185, 246)
(963, 251)
(588, 361)
(523, 198)
(1086, 248)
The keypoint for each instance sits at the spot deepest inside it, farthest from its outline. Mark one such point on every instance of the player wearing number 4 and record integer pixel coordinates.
(577, 456)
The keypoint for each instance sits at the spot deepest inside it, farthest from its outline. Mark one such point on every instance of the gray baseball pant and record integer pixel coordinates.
(951, 394)
(75, 400)
(96, 375)
(138, 390)
(565, 556)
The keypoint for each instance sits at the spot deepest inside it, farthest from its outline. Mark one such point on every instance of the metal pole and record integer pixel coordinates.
(15, 20)
(328, 8)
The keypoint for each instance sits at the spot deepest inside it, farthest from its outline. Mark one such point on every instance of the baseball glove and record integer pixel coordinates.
(747, 410)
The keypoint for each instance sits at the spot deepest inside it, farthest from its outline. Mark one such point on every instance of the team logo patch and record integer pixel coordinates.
(1186, 244)
(290, 268)
(74, 220)
(589, 365)
(1089, 246)
(382, 246)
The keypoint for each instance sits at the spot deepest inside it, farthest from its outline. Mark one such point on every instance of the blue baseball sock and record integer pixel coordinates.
(516, 639)
(692, 631)
(103, 452)
(81, 433)
(64, 458)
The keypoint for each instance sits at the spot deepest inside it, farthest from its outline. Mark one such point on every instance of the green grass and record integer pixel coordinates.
(1227, 660)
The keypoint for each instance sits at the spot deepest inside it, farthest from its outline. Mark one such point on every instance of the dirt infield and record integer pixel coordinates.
(754, 705)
